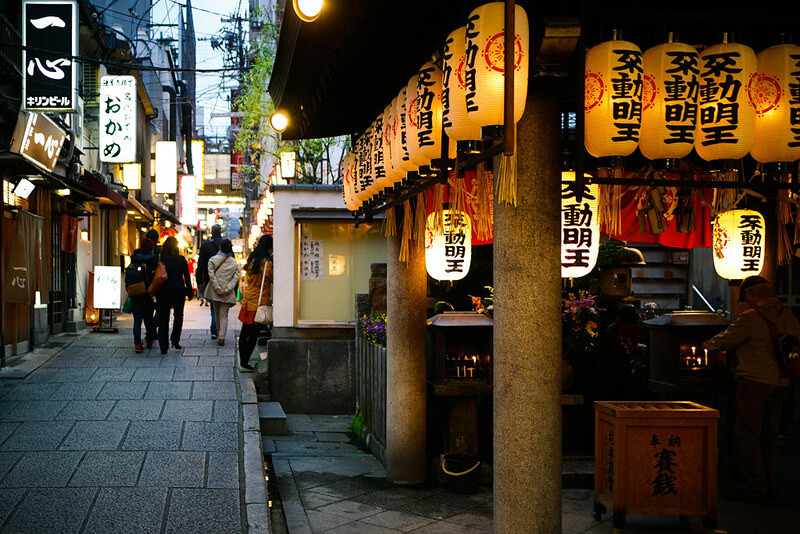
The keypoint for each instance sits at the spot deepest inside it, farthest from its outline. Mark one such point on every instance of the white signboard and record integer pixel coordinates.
(310, 259)
(107, 287)
(188, 214)
(118, 119)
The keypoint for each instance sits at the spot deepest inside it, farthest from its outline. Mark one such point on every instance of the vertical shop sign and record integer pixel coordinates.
(50, 37)
(188, 200)
(117, 119)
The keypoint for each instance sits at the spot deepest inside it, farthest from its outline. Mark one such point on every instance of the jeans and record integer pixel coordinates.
(164, 305)
(248, 337)
(213, 319)
(142, 310)
(221, 309)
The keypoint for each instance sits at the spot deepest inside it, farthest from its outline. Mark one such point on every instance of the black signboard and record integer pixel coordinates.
(50, 35)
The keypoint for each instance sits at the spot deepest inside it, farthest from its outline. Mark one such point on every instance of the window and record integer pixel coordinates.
(333, 266)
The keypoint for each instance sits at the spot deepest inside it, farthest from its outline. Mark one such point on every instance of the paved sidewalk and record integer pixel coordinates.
(327, 484)
(100, 439)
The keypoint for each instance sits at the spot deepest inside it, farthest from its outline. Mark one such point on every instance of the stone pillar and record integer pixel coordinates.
(527, 330)
(405, 366)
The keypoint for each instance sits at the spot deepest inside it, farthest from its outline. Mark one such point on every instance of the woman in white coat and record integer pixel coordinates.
(223, 275)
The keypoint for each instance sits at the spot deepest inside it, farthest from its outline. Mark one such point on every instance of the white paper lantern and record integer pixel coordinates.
(166, 167)
(669, 101)
(456, 122)
(580, 228)
(739, 242)
(448, 255)
(392, 173)
(429, 111)
(418, 158)
(774, 91)
(351, 202)
(612, 105)
(400, 134)
(726, 119)
(485, 63)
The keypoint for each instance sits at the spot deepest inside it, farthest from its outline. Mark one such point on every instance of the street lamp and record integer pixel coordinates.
(278, 121)
(307, 10)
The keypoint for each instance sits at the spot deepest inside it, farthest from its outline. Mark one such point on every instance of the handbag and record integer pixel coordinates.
(158, 279)
(263, 313)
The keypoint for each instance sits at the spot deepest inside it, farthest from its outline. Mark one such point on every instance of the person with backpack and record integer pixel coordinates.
(223, 277)
(138, 276)
(172, 295)
(760, 388)
(207, 251)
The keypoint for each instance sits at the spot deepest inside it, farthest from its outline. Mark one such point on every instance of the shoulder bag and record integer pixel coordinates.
(158, 279)
(263, 313)
(787, 349)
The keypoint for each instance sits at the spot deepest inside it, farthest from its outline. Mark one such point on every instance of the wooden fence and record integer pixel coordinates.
(371, 394)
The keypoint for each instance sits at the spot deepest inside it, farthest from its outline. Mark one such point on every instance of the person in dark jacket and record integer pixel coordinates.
(207, 251)
(172, 294)
(152, 235)
(142, 305)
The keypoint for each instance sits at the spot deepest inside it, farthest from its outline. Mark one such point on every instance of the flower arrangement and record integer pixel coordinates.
(373, 328)
(484, 305)
(580, 321)
(650, 310)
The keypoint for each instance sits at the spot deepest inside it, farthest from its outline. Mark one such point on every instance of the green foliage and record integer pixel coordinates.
(442, 306)
(357, 424)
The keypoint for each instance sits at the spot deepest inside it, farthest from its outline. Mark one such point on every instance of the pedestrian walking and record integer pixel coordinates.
(172, 295)
(145, 262)
(223, 277)
(257, 292)
(152, 235)
(207, 251)
(760, 388)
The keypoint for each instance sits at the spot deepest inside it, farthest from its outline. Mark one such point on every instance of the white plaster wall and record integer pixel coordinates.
(284, 242)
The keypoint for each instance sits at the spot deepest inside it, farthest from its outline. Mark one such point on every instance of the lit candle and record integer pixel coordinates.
(458, 371)
(470, 373)
(693, 349)
(705, 357)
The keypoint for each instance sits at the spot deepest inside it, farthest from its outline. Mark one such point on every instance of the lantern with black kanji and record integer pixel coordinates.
(400, 134)
(456, 122)
(485, 63)
(738, 241)
(418, 158)
(612, 105)
(774, 91)
(393, 174)
(669, 101)
(429, 111)
(448, 253)
(726, 118)
(580, 229)
(379, 162)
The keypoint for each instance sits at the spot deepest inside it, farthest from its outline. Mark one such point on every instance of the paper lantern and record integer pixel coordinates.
(448, 254)
(429, 111)
(774, 92)
(580, 228)
(188, 212)
(418, 158)
(132, 175)
(348, 191)
(166, 167)
(379, 162)
(456, 122)
(669, 101)
(485, 63)
(393, 173)
(726, 119)
(400, 134)
(365, 188)
(288, 164)
(612, 105)
(739, 241)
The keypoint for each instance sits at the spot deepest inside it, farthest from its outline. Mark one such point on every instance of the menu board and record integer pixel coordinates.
(107, 287)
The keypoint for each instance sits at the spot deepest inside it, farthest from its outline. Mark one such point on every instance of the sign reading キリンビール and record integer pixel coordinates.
(50, 37)
(117, 119)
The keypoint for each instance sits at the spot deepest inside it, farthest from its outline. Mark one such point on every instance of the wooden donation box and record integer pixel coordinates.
(655, 458)
(459, 371)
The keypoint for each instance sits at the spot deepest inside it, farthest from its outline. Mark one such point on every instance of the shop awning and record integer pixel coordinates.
(162, 213)
(137, 207)
(107, 196)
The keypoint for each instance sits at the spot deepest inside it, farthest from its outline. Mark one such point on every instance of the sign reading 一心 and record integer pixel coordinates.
(117, 119)
(107, 287)
(38, 139)
(50, 39)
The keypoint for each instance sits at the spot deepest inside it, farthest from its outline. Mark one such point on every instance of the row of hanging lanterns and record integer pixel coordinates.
(460, 98)
(723, 102)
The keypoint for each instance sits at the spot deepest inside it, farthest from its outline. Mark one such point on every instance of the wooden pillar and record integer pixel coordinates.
(405, 366)
(527, 330)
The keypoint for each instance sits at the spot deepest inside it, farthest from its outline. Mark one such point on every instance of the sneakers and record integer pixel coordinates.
(214, 336)
(149, 342)
(139, 347)
(244, 368)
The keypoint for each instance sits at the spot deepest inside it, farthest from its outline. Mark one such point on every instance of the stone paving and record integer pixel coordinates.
(101, 439)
